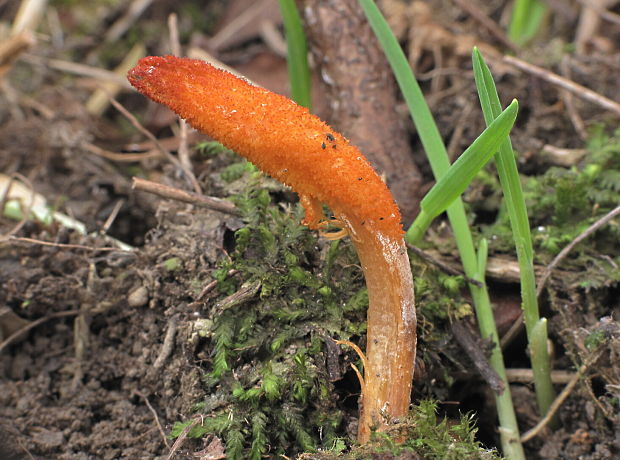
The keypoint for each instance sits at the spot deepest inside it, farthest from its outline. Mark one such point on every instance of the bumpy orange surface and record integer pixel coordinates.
(279, 136)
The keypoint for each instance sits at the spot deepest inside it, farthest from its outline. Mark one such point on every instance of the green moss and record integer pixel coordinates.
(267, 355)
(595, 339)
(212, 149)
(173, 264)
(237, 170)
(425, 435)
(267, 361)
(562, 203)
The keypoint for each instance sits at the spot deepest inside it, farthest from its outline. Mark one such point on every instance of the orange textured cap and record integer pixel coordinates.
(277, 135)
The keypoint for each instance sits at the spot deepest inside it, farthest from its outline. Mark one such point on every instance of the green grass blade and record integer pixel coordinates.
(525, 20)
(483, 255)
(515, 205)
(460, 174)
(297, 57)
(422, 117)
(438, 158)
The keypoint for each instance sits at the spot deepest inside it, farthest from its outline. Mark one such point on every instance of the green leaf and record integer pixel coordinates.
(460, 174)
(517, 211)
(297, 56)
(525, 20)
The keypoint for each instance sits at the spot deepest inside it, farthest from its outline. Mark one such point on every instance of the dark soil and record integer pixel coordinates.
(115, 360)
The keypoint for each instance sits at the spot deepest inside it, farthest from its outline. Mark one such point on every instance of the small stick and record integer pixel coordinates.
(578, 90)
(562, 156)
(159, 427)
(517, 325)
(78, 69)
(457, 134)
(134, 121)
(183, 435)
(200, 53)
(441, 265)
(604, 13)
(209, 287)
(559, 400)
(527, 376)
(112, 217)
(28, 15)
(564, 252)
(118, 29)
(472, 347)
(479, 15)
(99, 100)
(166, 348)
(573, 114)
(515, 329)
(32, 325)
(175, 48)
(245, 293)
(173, 33)
(273, 37)
(59, 245)
(172, 193)
(124, 157)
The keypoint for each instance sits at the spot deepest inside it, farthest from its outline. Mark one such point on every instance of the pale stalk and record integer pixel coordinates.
(391, 334)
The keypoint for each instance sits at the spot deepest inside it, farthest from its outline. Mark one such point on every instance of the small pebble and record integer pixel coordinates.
(139, 297)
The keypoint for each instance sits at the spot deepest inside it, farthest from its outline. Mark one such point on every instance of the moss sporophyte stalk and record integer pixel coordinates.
(297, 148)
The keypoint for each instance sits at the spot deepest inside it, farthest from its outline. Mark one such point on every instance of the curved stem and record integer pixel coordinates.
(391, 335)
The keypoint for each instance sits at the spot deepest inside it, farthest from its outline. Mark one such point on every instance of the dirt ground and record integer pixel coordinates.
(101, 351)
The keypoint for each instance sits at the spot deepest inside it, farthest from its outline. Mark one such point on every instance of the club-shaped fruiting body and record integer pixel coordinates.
(297, 148)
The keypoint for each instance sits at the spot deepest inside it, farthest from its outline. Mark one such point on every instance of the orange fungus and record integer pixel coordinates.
(279, 136)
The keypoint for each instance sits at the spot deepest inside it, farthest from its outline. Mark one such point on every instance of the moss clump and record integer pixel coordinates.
(425, 437)
(267, 377)
(269, 361)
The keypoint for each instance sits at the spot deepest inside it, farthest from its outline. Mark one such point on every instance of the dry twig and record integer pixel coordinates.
(471, 345)
(567, 97)
(32, 325)
(134, 121)
(560, 399)
(210, 286)
(527, 376)
(165, 191)
(564, 252)
(441, 265)
(159, 427)
(112, 217)
(603, 12)
(579, 90)
(166, 348)
(118, 29)
(59, 245)
(474, 10)
(175, 48)
(123, 157)
(78, 69)
(177, 444)
(28, 15)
